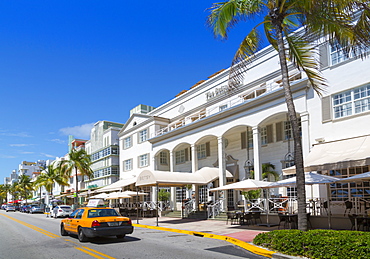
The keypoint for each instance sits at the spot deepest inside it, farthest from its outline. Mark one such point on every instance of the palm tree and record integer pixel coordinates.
(25, 186)
(4, 190)
(332, 19)
(80, 162)
(268, 172)
(49, 176)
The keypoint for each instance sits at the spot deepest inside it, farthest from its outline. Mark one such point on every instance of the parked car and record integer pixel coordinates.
(9, 208)
(90, 222)
(36, 209)
(25, 208)
(61, 211)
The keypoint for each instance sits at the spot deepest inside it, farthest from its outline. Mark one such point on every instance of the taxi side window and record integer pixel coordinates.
(79, 214)
(73, 214)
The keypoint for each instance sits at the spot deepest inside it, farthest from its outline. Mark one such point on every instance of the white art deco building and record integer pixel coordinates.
(239, 130)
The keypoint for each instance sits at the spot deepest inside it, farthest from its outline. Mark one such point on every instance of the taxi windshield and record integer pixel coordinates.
(102, 213)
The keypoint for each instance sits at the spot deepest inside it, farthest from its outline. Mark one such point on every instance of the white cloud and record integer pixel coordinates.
(59, 141)
(19, 134)
(82, 131)
(47, 155)
(27, 152)
(6, 156)
(20, 145)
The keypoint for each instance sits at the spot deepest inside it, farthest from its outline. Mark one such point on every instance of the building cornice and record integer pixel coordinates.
(263, 99)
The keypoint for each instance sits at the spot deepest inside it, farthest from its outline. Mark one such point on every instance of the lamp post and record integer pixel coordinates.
(248, 165)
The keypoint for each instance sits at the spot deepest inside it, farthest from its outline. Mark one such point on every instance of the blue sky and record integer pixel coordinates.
(65, 65)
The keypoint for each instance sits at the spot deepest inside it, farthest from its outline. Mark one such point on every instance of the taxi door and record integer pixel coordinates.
(75, 222)
(68, 221)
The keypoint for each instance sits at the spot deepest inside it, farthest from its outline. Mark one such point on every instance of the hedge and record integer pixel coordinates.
(318, 243)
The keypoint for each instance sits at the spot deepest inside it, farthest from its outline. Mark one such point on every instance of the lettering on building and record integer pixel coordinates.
(217, 92)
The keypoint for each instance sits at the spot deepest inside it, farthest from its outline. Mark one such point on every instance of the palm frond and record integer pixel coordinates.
(304, 57)
(225, 15)
(245, 52)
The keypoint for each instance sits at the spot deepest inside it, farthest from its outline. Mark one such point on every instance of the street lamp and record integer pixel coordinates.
(248, 165)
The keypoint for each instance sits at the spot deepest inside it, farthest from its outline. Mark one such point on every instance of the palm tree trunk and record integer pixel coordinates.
(298, 153)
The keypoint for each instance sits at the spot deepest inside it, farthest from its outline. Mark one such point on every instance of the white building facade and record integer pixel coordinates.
(241, 129)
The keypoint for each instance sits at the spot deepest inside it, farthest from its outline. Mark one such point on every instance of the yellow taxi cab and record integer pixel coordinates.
(95, 221)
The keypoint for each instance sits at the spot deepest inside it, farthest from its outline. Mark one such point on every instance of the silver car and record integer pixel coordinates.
(9, 208)
(62, 211)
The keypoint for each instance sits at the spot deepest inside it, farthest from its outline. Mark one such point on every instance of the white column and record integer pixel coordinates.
(173, 189)
(221, 161)
(305, 134)
(194, 158)
(222, 168)
(194, 168)
(256, 153)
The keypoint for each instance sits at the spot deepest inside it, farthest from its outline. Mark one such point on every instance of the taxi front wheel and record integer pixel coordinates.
(63, 232)
(120, 236)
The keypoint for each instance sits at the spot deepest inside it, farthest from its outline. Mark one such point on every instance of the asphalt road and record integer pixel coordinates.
(36, 236)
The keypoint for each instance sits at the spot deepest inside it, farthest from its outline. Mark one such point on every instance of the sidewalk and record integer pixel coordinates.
(239, 235)
(243, 233)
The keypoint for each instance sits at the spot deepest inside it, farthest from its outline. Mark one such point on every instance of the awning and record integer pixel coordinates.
(339, 154)
(118, 185)
(249, 184)
(172, 179)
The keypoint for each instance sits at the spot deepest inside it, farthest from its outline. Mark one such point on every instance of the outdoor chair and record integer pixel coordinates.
(256, 216)
(353, 218)
(283, 219)
(232, 216)
(246, 219)
(349, 207)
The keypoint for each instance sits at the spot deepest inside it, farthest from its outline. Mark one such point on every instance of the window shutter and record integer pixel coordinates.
(326, 108)
(279, 131)
(324, 57)
(186, 154)
(269, 133)
(190, 153)
(243, 139)
(208, 149)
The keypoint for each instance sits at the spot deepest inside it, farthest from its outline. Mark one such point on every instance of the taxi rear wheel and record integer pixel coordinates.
(63, 232)
(120, 236)
(81, 236)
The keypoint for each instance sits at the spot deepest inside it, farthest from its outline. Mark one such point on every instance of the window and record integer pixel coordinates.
(163, 158)
(223, 107)
(127, 143)
(352, 102)
(202, 151)
(127, 165)
(263, 135)
(288, 133)
(144, 160)
(180, 156)
(338, 55)
(345, 191)
(143, 135)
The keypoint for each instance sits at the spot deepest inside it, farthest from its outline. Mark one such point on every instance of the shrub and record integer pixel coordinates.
(318, 243)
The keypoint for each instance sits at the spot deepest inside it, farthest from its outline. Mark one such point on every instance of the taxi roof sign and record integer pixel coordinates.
(96, 203)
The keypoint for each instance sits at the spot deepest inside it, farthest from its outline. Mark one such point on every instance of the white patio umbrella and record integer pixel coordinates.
(311, 178)
(356, 178)
(247, 185)
(117, 195)
(132, 193)
(99, 196)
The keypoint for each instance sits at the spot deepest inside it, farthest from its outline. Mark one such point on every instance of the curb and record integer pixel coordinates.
(242, 244)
